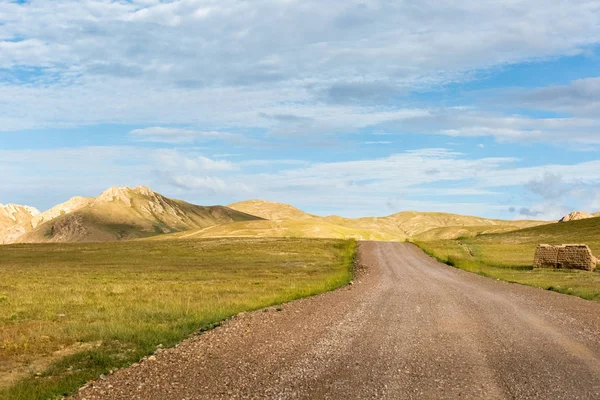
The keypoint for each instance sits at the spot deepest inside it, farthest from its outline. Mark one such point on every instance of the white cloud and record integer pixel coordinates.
(504, 128)
(264, 163)
(187, 161)
(217, 65)
(175, 135)
(206, 163)
(419, 179)
(207, 185)
(341, 41)
(580, 97)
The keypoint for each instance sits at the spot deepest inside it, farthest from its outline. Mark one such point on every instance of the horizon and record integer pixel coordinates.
(346, 108)
(41, 211)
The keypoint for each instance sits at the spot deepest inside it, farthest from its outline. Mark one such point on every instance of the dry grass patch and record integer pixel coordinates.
(127, 298)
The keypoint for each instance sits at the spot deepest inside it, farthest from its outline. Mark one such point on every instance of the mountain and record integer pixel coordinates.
(271, 210)
(126, 213)
(73, 204)
(282, 220)
(12, 216)
(577, 215)
(122, 213)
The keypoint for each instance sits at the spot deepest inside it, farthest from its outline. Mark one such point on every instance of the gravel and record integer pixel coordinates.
(407, 328)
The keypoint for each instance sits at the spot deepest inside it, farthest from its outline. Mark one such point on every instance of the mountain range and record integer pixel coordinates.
(121, 213)
(284, 220)
(116, 214)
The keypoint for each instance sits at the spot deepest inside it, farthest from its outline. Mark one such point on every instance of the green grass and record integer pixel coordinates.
(509, 256)
(70, 312)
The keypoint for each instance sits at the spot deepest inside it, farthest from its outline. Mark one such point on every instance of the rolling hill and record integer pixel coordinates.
(121, 213)
(271, 210)
(126, 213)
(283, 220)
(577, 231)
(509, 255)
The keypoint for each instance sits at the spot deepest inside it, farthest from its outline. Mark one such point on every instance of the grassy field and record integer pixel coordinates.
(509, 256)
(70, 312)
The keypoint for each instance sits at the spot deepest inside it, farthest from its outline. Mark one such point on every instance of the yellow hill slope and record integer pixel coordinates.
(271, 210)
(286, 221)
(288, 228)
(125, 213)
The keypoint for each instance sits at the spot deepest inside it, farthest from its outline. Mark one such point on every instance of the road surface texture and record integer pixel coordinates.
(408, 328)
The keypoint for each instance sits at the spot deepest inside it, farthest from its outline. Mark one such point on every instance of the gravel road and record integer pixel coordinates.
(408, 328)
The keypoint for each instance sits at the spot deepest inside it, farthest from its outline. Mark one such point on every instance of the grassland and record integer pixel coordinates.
(509, 256)
(70, 312)
(314, 228)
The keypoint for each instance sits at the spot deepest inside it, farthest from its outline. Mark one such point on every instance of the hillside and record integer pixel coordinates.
(577, 231)
(282, 220)
(123, 213)
(516, 248)
(509, 255)
(455, 232)
(290, 228)
(271, 210)
(418, 223)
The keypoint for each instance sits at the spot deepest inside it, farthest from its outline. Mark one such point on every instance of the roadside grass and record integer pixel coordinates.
(509, 256)
(70, 312)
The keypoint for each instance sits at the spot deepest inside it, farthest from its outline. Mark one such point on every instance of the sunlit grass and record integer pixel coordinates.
(96, 307)
(509, 256)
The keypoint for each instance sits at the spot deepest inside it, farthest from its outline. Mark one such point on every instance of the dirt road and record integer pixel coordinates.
(409, 327)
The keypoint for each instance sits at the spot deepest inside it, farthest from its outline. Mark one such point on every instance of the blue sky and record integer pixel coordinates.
(355, 108)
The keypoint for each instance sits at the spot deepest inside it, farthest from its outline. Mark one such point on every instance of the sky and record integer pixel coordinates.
(354, 108)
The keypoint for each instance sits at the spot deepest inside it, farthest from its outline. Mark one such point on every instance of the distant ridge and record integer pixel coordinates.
(282, 220)
(271, 210)
(119, 213)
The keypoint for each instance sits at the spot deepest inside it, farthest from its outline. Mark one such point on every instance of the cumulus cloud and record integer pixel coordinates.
(556, 194)
(182, 160)
(212, 72)
(544, 211)
(580, 97)
(342, 40)
(219, 66)
(550, 186)
(204, 185)
(527, 212)
(357, 187)
(469, 122)
(362, 92)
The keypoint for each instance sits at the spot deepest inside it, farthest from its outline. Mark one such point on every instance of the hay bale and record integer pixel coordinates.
(567, 256)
